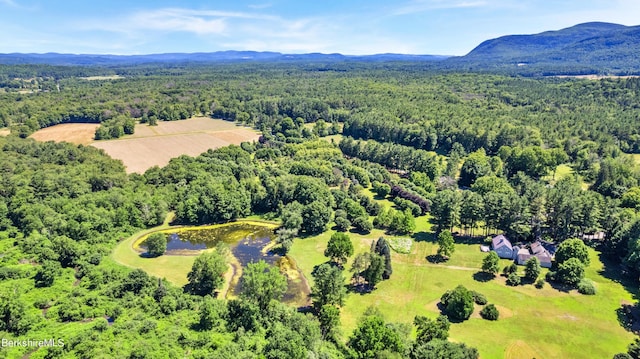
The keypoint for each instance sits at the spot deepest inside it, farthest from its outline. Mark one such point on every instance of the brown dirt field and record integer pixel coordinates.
(4, 132)
(196, 124)
(78, 133)
(156, 145)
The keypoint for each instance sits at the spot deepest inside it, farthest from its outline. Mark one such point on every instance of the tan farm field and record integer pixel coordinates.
(154, 145)
(78, 133)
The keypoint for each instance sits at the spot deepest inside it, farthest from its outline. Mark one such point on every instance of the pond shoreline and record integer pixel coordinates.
(175, 264)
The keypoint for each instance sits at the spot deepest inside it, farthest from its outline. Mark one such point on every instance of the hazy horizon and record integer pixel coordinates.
(425, 27)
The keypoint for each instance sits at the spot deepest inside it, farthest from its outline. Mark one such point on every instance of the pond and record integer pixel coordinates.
(247, 243)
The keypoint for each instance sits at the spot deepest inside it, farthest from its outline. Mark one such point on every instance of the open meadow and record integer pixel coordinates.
(540, 323)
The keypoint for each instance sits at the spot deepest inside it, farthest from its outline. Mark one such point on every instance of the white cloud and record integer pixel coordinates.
(177, 20)
(418, 6)
(260, 6)
(216, 29)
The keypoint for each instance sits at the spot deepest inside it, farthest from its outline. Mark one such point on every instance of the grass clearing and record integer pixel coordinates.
(541, 323)
(5, 132)
(562, 171)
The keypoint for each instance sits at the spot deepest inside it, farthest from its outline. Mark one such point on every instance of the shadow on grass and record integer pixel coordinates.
(435, 259)
(483, 277)
(469, 240)
(359, 288)
(629, 317)
(561, 287)
(618, 273)
(424, 237)
(359, 231)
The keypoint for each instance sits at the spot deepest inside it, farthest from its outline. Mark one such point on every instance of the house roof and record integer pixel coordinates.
(501, 241)
(536, 247)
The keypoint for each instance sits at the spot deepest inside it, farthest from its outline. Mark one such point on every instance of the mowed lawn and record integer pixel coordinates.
(541, 323)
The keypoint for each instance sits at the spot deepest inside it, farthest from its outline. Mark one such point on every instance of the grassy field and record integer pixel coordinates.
(561, 172)
(541, 323)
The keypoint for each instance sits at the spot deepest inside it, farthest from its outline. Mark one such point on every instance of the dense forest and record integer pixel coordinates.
(475, 154)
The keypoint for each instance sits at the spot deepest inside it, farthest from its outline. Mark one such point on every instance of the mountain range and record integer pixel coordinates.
(589, 48)
(201, 57)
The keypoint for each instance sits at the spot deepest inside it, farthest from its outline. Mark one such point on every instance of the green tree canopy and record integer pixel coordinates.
(491, 263)
(458, 303)
(262, 283)
(156, 244)
(207, 274)
(328, 286)
(573, 248)
(446, 245)
(339, 248)
(373, 336)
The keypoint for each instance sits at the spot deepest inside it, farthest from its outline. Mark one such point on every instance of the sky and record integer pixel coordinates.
(351, 27)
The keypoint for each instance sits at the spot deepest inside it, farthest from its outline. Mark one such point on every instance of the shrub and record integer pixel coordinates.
(512, 268)
(342, 224)
(490, 312)
(458, 303)
(513, 279)
(540, 283)
(479, 298)
(551, 276)
(586, 287)
(570, 272)
(156, 244)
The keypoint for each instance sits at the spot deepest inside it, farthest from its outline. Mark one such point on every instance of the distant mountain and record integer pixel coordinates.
(201, 57)
(589, 48)
(594, 47)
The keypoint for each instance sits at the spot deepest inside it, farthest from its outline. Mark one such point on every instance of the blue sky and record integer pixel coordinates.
(446, 27)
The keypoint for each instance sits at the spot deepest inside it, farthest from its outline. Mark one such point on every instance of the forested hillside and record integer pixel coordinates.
(589, 48)
(347, 148)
